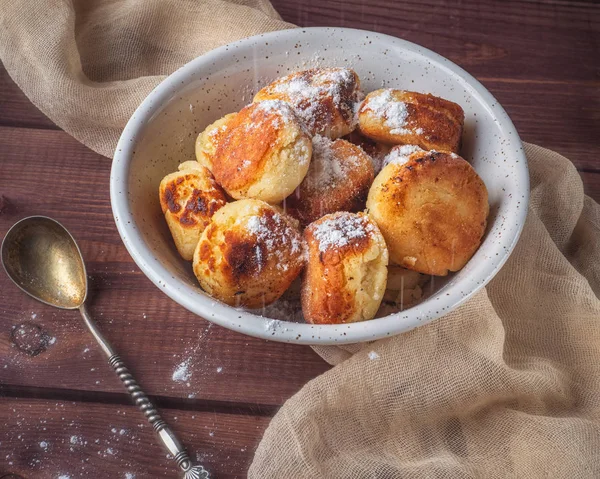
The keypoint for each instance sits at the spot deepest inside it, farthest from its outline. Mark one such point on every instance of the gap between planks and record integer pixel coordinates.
(8, 391)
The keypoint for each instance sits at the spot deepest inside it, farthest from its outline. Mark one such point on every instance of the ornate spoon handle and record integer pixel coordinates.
(164, 432)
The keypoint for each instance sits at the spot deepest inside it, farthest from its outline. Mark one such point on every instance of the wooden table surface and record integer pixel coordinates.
(63, 414)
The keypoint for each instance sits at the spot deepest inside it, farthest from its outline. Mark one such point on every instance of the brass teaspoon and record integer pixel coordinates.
(42, 258)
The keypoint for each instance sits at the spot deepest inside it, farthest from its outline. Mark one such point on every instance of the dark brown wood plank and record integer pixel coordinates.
(568, 123)
(50, 173)
(537, 58)
(512, 39)
(41, 439)
(552, 104)
(152, 333)
(560, 116)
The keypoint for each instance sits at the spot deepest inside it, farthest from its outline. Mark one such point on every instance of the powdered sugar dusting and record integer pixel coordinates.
(212, 134)
(301, 152)
(272, 324)
(277, 107)
(395, 112)
(400, 154)
(274, 237)
(306, 94)
(340, 229)
(272, 113)
(327, 168)
(182, 372)
(360, 96)
(373, 356)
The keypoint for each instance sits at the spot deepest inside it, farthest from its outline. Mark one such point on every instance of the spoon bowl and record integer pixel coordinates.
(43, 259)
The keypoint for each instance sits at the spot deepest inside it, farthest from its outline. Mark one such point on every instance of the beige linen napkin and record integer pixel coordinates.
(508, 385)
(89, 64)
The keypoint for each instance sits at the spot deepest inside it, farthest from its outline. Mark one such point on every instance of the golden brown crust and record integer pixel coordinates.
(323, 98)
(190, 205)
(209, 139)
(411, 118)
(264, 153)
(338, 179)
(345, 277)
(189, 198)
(376, 151)
(244, 144)
(432, 211)
(249, 254)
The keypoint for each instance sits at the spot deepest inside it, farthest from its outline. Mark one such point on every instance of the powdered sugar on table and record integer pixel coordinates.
(182, 372)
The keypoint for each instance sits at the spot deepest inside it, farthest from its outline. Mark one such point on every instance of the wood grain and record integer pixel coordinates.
(513, 39)
(538, 58)
(52, 174)
(45, 439)
(568, 123)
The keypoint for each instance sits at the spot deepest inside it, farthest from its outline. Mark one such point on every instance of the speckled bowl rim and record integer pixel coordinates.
(245, 322)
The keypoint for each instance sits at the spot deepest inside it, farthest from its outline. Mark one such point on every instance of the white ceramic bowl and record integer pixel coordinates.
(162, 131)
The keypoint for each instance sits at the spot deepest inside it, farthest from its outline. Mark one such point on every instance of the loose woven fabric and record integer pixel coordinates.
(88, 64)
(508, 385)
